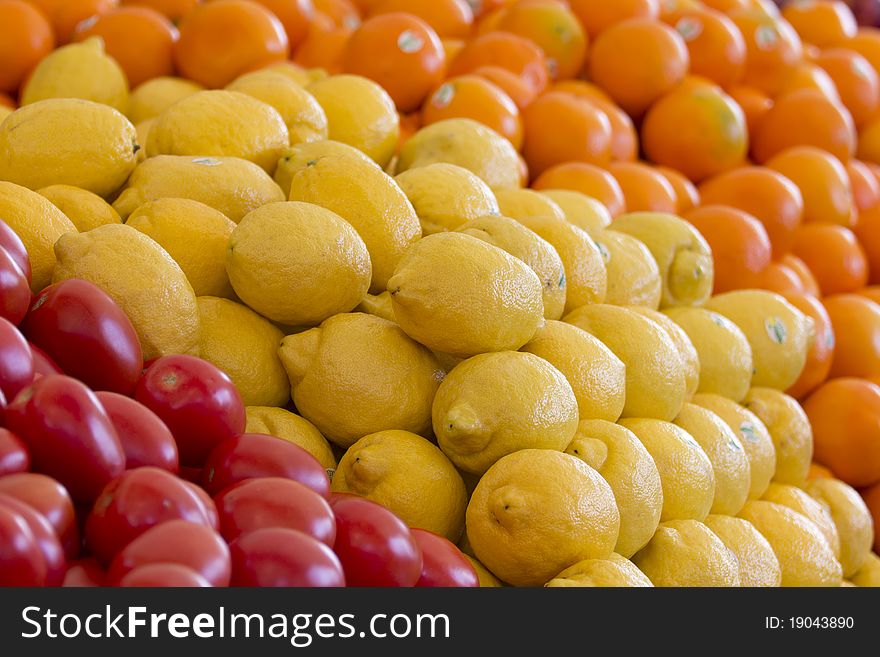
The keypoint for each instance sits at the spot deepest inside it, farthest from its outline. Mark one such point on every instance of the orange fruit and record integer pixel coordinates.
(586, 179)
(866, 42)
(598, 15)
(715, 44)
(817, 471)
(823, 182)
(754, 103)
(324, 46)
(172, 9)
(685, 191)
(727, 6)
(65, 15)
(821, 349)
(483, 7)
(856, 80)
(637, 61)
(856, 322)
(473, 97)
(450, 19)
(221, 40)
(871, 292)
(509, 51)
(740, 246)
(811, 76)
(834, 256)
(624, 138)
(25, 38)
(867, 231)
(773, 49)
(295, 16)
(697, 129)
(779, 278)
(451, 47)
(582, 88)
(864, 185)
(845, 415)
(513, 85)
(140, 39)
(808, 281)
(869, 142)
(871, 495)
(6, 101)
(644, 188)
(822, 24)
(343, 13)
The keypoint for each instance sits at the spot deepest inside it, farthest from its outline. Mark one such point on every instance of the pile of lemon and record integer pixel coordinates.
(559, 394)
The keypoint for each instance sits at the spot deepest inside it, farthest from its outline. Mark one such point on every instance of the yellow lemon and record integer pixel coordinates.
(615, 571)
(85, 209)
(520, 242)
(869, 573)
(851, 518)
(723, 350)
(726, 454)
(583, 211)
(306, 153)
(521, 204)
(142, 131)
(804, 555)
(790, 430)
(142, 278)
(357, 374)
(655, 380)
(378, 305)
(445, 196)
(627, 466)
(468, 144)
(410, 476)
(683, 256)
(596, 375)
(487, 579)
(758, 565)
(687, 553)
(457, 294)
(294, 429)
(149, 99)
(799, 500)
(5, 111)
(633, 275)
(689, 357)
(495, 404)
(359, 113)
(68, 141)
(753, 436)
(228, 184)
(78, 70)
(296, 73)
(537, 512)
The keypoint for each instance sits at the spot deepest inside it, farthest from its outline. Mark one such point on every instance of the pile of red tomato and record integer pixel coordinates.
(118, 472)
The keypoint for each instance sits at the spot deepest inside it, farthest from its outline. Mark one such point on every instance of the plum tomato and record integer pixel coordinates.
(276, 556)
(14, 457)
(10, 241)
(43, 364)
(15, 290)
(16, 361)
(44, 534)
(443, 564)
(51, 500)
(144, 437)
(207, 504)
(21, 560)
(164, 575)
(84, 573)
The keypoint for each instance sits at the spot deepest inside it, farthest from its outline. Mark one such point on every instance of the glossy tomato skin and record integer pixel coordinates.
(164, 575)
(178, 541)
(51, 500)
(375, 547)
(68, 434)
(276, 556)
(15, 289)
(43, 364)
(14, 457)
(274, 502)
(44, 534)
(198, 403)
(135, 502)
(21, 560)
(443, 564)
(144, 437)
(208, 505)
(87, 335)
(16, 361)
(11, 242)
(84, 573)
(252, 455)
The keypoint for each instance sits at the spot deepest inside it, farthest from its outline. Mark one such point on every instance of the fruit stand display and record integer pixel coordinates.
(439, 293)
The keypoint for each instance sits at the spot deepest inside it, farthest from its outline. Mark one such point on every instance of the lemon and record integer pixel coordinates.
(294, 429)
(5, 111)
(357, 374)
(804, 555)
(410, 476)
(296, 73)
(583, 211)
(869, 573)
(142, 132)
(596, 375)
(790, 430)
(683, 256)
(689, 357)
(301, 155)
(624, 462)
(687, 553)
(487, 579)
(655, 379)
(495, 404)
(521, 204)
(722, 348)
(359, 113)
(457, 294)
(297, 263)
(79, 70)
(851, 518)
(726, 454)
(758, 565)
(228, 184)
(445, 196)
(142, 278)
(753, 436)
(68, 141)
(520, 242)
(368, 199)
(633, 275)
(195, 235)
(85, 209)
(615, 571)
(38, 223)
(537, 512)
(686, 474)
(468, 144)
(245, 346)
(149, 99)
(800, 501)
(378, 305)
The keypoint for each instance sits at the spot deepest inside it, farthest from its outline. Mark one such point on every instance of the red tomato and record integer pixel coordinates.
(68, 434)
(16, 361)
(276, 556)
(253, 455)
(207, 504)
(10, 241)
(21, 560)
(178, 541)
(43, 365)
(274, 502)
(51, 500)
(47, 541)
(198, 403)
(15, 290)
(443, 564)
(135, 502)
(144, 437)
(14, 456)
(2, 405)
(375, 547)
(164, 575)
(84, 573)
(87, 334)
